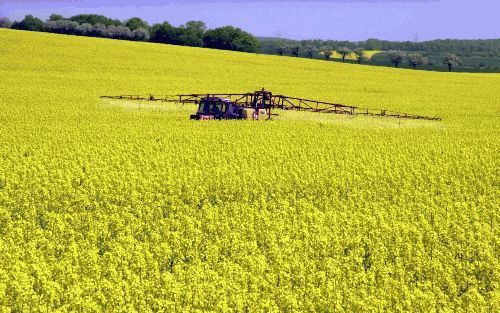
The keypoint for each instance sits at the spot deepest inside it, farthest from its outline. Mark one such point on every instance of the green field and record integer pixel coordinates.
(119, 206)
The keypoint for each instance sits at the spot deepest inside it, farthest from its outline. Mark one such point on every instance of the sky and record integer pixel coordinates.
(401, 20)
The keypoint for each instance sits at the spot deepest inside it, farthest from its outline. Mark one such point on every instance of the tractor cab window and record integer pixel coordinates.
(217, 107)
(212, 107)
(204, 107)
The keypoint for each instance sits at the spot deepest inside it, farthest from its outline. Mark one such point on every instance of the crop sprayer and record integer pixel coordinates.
(252, 105)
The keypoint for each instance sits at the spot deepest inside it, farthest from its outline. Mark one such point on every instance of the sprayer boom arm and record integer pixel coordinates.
(266, 100)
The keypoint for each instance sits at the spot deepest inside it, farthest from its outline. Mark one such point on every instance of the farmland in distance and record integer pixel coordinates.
(108, 204)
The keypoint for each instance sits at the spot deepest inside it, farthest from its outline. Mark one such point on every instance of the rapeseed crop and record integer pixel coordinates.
(121, 206)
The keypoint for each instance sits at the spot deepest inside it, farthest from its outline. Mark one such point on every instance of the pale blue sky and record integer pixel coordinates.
(298, 19)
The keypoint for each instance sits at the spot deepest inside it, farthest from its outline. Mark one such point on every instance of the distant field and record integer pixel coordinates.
(122, 206)
(368, 53)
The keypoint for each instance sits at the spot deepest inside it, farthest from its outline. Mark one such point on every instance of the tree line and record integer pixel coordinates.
(193, 33)
(310, 49)
(396, 57)
(464, 48)
(325, 51)
(414, 59)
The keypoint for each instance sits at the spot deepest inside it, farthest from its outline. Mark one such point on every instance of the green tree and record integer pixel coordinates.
(310, 51)
(230, 38)
(360, 55)
(30, 23)
(135, 23)
(373, 44)
(282, 49)
(451, 60)
(396, 57)
(294, 50)
(191, 34)
(197, 27)
(416, 59)
(94, 19)
(344, 52)
(56, 17)
(165, 33)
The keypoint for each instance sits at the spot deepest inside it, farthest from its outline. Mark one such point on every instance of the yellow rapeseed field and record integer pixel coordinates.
(109, 206)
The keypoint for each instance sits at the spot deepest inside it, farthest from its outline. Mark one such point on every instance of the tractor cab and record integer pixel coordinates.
(210, 108)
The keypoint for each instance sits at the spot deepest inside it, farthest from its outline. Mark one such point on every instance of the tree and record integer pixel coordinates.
(397, 57)
(191, 34)
(282, 49)
(451, 60)
(98, 30)
(56, 17)
(94, 19)
(360, 55)
(246, 43)
(416, 59)
(84, 29)
(373, 44)
(29, 23)
(327, 52)
(118, 32)
(197, 27)
(135, 23)
(5, 22)
(294, 50)
(344, 52)
(140, 34)
(63, 27)
(165, 33)
(310, 51)
(230, 38)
